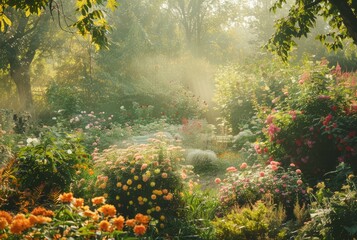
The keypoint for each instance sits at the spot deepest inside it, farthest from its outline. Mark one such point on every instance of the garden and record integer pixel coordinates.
(175, 133)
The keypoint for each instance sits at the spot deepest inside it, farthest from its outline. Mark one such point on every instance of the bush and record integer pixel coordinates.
(315, 125)
(143, 178)
(333, 215)
(258, 221)
(252, 183)
(203, 161)
(49, 164)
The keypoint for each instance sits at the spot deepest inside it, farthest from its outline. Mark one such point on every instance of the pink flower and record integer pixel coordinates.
(217, 180)
(277, 190)
(292, 165)
(274, 167)
(298, 171)
(257, 149)
(231, 169)
(144, 166)
(299, 182)
(243, 165)
(261, 174)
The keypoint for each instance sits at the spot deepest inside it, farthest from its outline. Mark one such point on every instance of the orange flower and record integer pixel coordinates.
(89, 213)
(107, 210)
(130, 222)
(78, 202)
(42, 211)
(6, 215)
(139, 229)
(145, 220)
(104, 225)
(39, 219)
(3, 223)
(98, 200)
(119, 222)
(19, 225)
(66, 197)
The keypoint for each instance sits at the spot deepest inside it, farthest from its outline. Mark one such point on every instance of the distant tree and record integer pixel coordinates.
(340, 14)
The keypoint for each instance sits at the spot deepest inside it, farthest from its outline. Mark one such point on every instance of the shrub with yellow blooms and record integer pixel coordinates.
(145, 178)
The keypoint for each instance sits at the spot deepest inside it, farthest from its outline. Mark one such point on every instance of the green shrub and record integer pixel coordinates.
(50, 163)
(203, 161)
(258, 221)
(333, 215)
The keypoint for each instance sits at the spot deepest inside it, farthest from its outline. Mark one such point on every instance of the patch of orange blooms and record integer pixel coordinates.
(104, 217)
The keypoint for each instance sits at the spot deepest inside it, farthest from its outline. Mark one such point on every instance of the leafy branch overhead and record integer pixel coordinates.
(91, 18)
(340, 15)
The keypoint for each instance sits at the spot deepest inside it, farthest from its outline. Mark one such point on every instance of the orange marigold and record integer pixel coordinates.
(140, 218)
(39, 219)
(119, 222)
(42, 211)
(66, 197)
(3, 223)
(130, 222)
(19, 225)
(98, 200)
(6, 215)
(78, 202)
(139, 229)
(104, 225)
(107, 210)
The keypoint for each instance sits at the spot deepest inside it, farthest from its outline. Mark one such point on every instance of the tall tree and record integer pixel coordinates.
(18, 47)
(340, 14)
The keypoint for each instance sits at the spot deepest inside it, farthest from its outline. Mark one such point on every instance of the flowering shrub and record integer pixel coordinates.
(73, 220)
(143, 178)
(315, 126)
(252, 183)
(50, 163)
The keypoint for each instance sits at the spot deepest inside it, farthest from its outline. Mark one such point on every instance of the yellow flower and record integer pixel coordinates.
(125, 187)
(162, 218)
(119, 184)
(350, 176)
(136, 178)
(139, 186)
(320, 185)
(153, 196)
(129, 182)
(158, 208)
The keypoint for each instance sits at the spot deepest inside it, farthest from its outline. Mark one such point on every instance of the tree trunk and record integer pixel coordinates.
(348, 17)
(21, 76)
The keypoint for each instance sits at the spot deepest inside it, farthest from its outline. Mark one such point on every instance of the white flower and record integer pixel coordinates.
(69, 151)
(32, 141)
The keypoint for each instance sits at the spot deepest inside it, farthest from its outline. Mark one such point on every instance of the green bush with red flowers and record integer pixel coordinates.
(315, 125)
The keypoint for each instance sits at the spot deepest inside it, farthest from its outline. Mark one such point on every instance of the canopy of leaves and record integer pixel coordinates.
(90, 15)
(340, 14)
